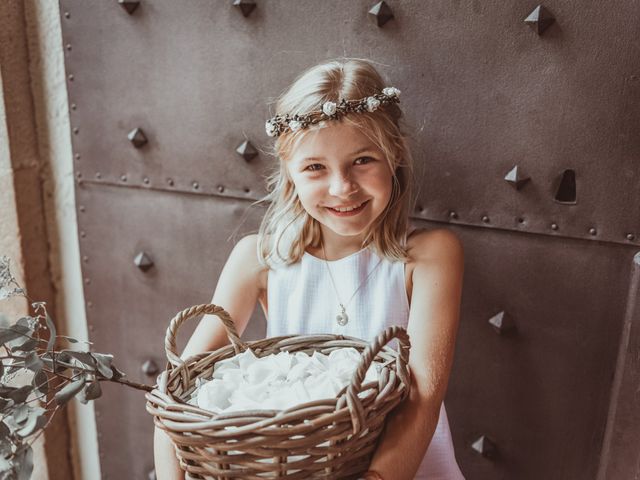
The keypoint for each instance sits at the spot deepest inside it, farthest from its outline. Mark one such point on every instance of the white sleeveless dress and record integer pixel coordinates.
(301, 301)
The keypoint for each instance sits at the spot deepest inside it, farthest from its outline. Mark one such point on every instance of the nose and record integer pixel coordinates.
(342, 185)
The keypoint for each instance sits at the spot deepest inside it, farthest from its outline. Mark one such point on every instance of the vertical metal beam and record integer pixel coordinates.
(620, 457)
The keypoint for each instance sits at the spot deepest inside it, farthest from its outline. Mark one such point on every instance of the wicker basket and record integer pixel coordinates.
(332, 438)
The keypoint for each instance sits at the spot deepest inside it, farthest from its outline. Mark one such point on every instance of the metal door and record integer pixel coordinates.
(524, 131)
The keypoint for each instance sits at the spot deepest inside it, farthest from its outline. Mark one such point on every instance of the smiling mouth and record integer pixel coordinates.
(348, 209)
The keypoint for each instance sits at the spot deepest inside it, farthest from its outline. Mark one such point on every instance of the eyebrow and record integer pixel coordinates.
(357, 152)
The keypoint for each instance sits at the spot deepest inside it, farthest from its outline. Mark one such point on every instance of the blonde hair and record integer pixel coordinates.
(286, 223)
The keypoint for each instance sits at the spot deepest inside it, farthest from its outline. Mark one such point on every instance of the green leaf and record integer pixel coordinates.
(83, 358)
(69, 339)
(13, 332)
(21, 394)
(33, 362)
(24, 462)
(70, 390)
(91, 392)
(33, 421)
(41, 382)
(21, 413)
(6, 468)
(52, 332)
(28, 345)
(103, 362)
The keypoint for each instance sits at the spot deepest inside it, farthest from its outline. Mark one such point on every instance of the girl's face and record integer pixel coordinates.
(338, 167)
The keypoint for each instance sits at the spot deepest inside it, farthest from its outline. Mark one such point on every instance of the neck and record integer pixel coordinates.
(337, 246)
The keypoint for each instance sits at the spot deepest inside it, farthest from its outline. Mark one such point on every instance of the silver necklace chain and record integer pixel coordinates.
(342, 318)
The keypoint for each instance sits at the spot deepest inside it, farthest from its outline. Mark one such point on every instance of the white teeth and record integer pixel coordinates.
(347, 209)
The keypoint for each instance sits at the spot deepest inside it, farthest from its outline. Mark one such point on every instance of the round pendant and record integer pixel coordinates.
(342, 319)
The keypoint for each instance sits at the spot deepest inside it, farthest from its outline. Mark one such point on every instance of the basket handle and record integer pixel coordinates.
(186, 314)
(369, 353)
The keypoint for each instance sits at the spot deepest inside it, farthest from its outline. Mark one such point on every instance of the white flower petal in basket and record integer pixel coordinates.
(245, 359)
(214, 396)
(262, 371)
(321, 386)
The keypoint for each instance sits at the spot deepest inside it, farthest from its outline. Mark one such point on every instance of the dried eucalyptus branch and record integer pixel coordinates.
(54, 377)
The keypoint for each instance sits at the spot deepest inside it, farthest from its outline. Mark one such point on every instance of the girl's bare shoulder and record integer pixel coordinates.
(441, 244)
(246, 256)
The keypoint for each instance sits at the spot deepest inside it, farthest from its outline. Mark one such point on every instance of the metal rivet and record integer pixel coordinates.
(150, 368)
(143, 261)
(220, 188)
(81, 208)
(170, 181)
(76, 130)
(98, 175)
(82, 233)
(630, 236)
(85, 259)
(87, 281)
(92, 328)
(539, 20)
(520, 220)
(245, 6)
(129, 5)
(123, 178)
(247, 151)
(485, 447)
(502, 323)
(77, 156)
(453, 214)
(593, 231)
(516, 178)
(73, 106)
(485, 219)
(71, 78)
(78, 175)
(247, 189)
(90, 304)
(137, 137)
(554, 226)
(67, 15)
(69, 46)
(381, 13)
(195, 185)
(145, 180)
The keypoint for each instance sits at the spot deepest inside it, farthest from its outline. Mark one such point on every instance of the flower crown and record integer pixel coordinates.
(331, 111)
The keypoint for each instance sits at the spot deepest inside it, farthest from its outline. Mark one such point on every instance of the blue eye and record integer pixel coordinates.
(368, 160)
(313, 167)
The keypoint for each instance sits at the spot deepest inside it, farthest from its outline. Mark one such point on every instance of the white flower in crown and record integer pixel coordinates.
(372, 104)
(295, 125)
(271, 128)
(329, 108)
(391, 92)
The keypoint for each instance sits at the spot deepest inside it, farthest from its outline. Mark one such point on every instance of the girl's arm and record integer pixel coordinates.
(237, 292)
(432, 328)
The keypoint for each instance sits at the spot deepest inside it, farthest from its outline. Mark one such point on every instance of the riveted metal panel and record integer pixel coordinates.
(482, 91)
(540, 392)
(188, 238)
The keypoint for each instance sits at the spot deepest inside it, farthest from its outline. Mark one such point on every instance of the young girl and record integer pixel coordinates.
(334, 255)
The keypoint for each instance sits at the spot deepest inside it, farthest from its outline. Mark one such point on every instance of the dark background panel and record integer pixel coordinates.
(541, 393)
(188, 238)
(482, 93)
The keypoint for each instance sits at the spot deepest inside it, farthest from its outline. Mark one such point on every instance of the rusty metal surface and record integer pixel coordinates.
(620, 457)
(128, 310)
(542, 392)
(482, 93)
